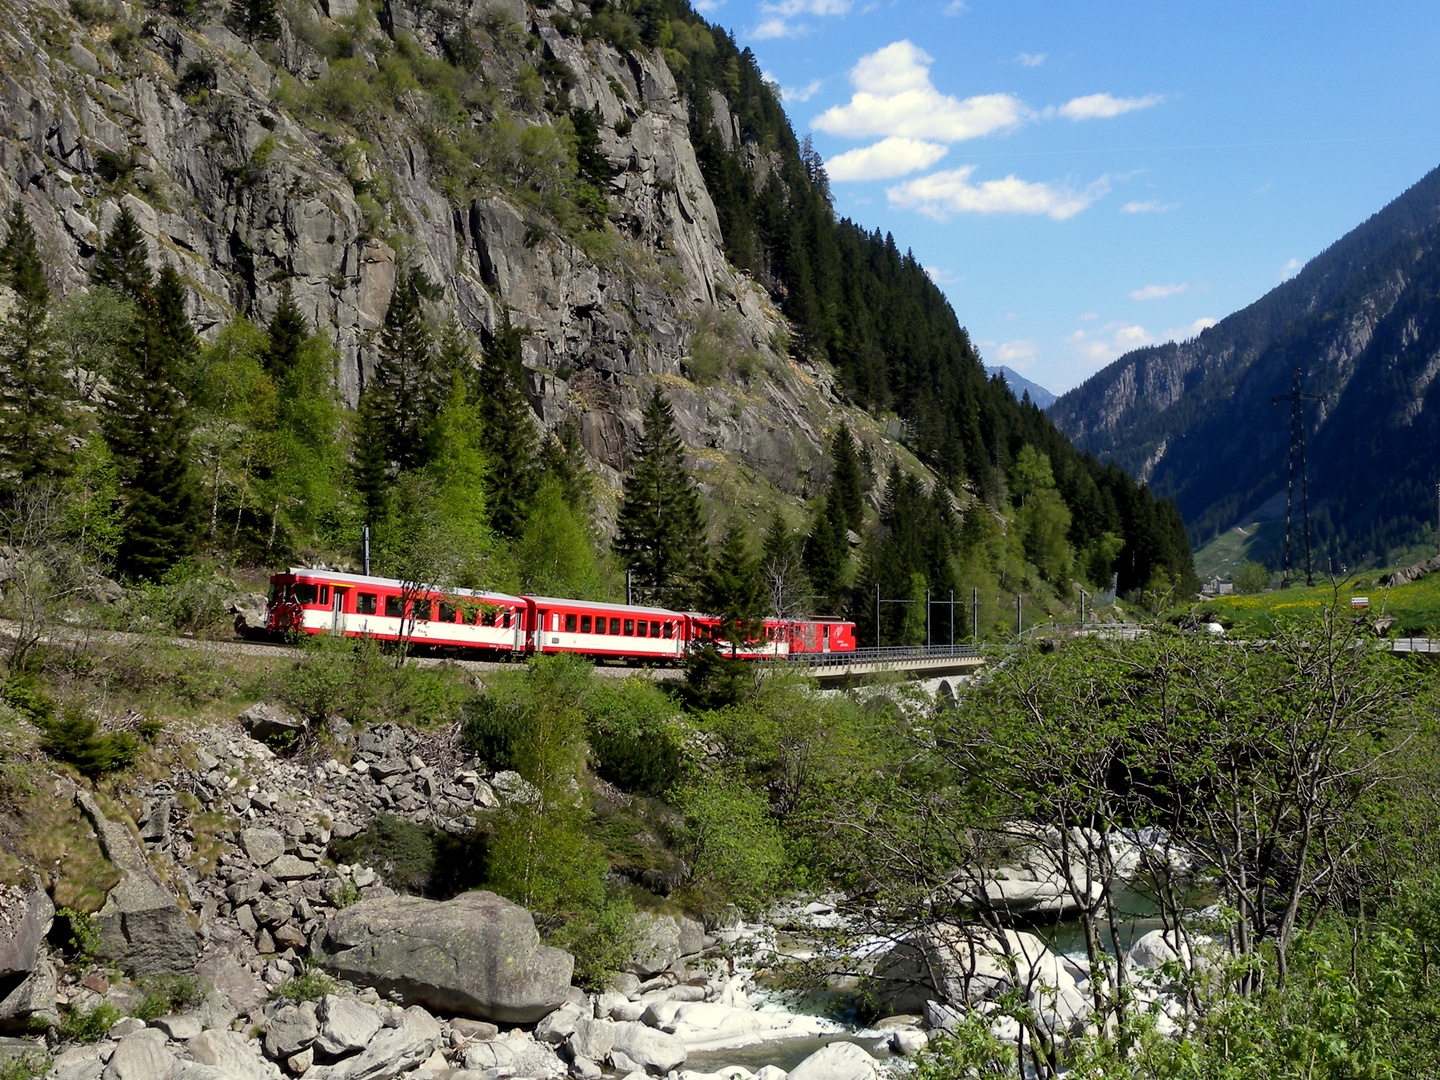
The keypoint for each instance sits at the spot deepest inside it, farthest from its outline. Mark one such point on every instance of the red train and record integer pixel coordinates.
(492, 625)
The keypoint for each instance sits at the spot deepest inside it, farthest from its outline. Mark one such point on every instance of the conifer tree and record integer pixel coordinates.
(408, 372)
(122, 262)
(562, 460)
(734, 590)
(508, 429)
(846, 481)
(371, 470)
(144, 422)
(257, 20)
(782, 571)
(33, 390)
(661, 532)
(288, 334)
(827, 549)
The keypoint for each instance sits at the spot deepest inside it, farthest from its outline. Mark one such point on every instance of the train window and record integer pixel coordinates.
(324, 594)
(394, 607)
(669, 630)
(512, 618)
(365, 603)
(600, 624)
(585, 624)
(629, 627)
(447, 613)
(615, 626)
(274, 592)
(421, 610)
(654, 629)
(304, 592)
(827, 633)
(570, 623)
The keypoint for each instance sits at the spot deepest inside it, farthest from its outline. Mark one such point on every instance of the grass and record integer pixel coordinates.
(1416, 606)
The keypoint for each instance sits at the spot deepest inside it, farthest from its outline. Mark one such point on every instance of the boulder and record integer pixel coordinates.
(290, 1030)
(141, 925)
(346, 1025)
(31, 1002)
(559, 1025)
(236, 1057)
(25, 917)
(656, 1052)
(392, 1051)
(515, 1053)
(838, 1061)
(234, 983)
(181, 1028)
(657, 944)
(142, 1056)
(265, 721)
(593, 1038)
(477, 955)
(263, 846)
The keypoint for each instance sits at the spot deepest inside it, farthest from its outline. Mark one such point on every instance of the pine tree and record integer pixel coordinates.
(257, 20)
(782, 571)
(827, 550)
(508, 429)
(562, 460)
(144, 422)
(408, 372)
(846, 481)
(371, 472)
(661, 532)
(288, 334)
(33, 390)
(122, 262)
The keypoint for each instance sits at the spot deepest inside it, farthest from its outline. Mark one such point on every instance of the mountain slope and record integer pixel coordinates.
(1196, 419)
(1019, 385)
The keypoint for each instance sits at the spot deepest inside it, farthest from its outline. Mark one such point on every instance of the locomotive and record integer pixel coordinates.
(490, 625)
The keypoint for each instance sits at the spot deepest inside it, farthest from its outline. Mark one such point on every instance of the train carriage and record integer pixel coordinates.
(780, 637)
(608, 631)
(321, 602)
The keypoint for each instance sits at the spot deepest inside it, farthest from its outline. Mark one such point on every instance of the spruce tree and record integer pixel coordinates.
(144, 421)
(408, 372)
(288, 333)
(734, 590)
(371, 472)
(846, 481)
(33, 390)
(257, 20)
(122, 262)
(782, 570)
(562, 460)
(661, 533)
(507, 427)
(827, 550)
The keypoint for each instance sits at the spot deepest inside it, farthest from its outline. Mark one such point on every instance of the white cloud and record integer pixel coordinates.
(705, 7)
(1104, 106)
(888, 158)
(1159, 292)
(775, 28)
(801, 93)
(1290, 269)
(1149, 206)
(944, 193)
(1026, 59)
(941, 276)
(956, 7)
(1089, 316)
(1018, 354)
(777, 24)
(1185, 333)
(894, 96)
(1109, 341)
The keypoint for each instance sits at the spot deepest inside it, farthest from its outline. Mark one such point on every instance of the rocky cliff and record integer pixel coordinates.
(413, 135)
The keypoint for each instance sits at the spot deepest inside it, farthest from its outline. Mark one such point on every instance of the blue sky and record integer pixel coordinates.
(1085, 178)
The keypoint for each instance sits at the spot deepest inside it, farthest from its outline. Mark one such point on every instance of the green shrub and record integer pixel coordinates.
(635, 735)
(601, 940)
(76, 739)
(24, 1067)
(737, 854)
(84, 943)
(312, 984)
(86, 1026)
(167, 994)
(22, 695)
(418, 859)
(354, 679)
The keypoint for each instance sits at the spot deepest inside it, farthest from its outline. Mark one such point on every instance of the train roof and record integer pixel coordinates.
(395, 583)
(596, 605)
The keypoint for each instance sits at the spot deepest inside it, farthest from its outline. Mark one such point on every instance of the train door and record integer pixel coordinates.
(337, 610)
(825, 638)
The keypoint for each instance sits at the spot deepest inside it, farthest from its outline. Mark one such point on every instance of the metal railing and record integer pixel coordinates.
(890, 655)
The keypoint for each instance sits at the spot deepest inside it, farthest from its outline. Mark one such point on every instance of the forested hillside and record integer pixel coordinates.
(462, 274)
(1359, 322)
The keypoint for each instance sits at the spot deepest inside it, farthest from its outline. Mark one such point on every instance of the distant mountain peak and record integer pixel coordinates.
(1019, 385)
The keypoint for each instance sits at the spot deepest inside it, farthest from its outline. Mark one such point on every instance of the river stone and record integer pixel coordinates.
(32, 1002)
(592, 1038)
(838, 1061)
(477, 955)
(654, 1051)
(235, 1056)
(346, 1025)
(290, 1030)
(265, 721)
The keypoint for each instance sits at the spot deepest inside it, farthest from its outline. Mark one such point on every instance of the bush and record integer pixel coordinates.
(86, 1026)
(601, 940)
(418, 859)
(22, 695)
(84, 943)
(24, 1067)
(737, 855)
(76, 739)
(167, 994)
(353, 678)
(312, 984)
(635, 735)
